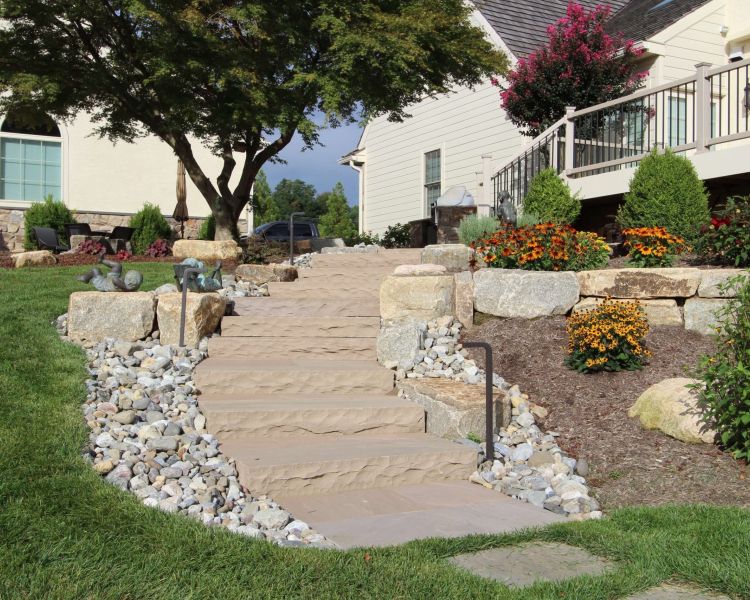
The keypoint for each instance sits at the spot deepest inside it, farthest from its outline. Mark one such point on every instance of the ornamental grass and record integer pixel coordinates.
(652, 246)
(609, 337)
(543, 247)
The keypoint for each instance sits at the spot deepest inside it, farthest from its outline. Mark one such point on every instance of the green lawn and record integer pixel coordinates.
(64, 533)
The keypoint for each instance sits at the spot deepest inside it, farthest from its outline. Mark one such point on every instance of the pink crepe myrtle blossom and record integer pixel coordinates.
(581, 65)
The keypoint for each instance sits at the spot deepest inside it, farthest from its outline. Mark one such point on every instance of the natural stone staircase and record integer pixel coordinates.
(294, 393)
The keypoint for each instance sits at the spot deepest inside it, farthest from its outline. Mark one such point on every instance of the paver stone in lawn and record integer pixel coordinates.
(522, 565)
(676, 592)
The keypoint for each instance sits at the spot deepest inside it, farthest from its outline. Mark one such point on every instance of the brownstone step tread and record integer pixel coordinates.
(385, 516)
(300, 326)
(352, 295)
(258, 346)
(306, 465)
(238, 376)
(316, 415)
(320, 305)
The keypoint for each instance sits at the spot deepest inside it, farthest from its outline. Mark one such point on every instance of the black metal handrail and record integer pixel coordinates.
(185, 278)
(489, 409)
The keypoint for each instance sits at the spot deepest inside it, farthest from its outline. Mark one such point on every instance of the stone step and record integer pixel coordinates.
(353, 295)
(238, 377)
(395, 515)
(307, 465)
(334, 287)
(279, 415)
(359, 348)
(369, 259)
(301, 327)
(345, 274)
(320, 305)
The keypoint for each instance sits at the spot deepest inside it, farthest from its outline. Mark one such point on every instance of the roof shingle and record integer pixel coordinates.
(641, 19)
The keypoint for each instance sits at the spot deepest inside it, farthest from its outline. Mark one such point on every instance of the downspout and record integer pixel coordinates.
(361, 202)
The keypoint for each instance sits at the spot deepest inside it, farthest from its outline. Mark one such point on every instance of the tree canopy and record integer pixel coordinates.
(241, 77)
(337, 220)
(294, 195)
(264, 206)
(580, 66)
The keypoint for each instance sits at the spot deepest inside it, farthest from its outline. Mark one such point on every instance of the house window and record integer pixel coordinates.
(30, 158)
(677, 121)
(431, 177)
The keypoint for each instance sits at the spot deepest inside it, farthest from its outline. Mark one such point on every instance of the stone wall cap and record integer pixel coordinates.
(419, 270)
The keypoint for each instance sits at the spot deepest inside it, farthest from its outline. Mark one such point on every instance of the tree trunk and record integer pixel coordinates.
(226, 223)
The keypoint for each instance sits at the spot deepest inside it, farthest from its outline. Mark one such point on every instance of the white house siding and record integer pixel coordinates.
(694, 39)
(463, 125)
(99, 176)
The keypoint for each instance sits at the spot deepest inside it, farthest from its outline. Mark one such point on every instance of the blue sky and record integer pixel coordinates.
(319, 166)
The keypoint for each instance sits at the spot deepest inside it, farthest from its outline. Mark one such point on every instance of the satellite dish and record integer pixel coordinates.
(456, 196)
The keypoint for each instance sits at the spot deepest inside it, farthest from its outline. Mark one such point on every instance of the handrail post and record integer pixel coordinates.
(291, 236)
(702, 107)
(489, 409)
(185, 274)
(570, 140)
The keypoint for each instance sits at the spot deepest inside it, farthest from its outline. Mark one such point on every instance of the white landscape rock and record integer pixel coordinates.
(94, 316)
(202, 315)
(400, 340)
(712, 280)
(658, 312)
(701, 314)
(513, 293)
(672, 407)
(421, 297)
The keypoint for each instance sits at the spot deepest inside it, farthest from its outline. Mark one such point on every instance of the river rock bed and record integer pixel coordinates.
(148, 437)
(529, 465)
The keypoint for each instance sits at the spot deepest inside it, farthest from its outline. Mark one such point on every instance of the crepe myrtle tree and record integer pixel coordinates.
(241, 77)
(581, 65)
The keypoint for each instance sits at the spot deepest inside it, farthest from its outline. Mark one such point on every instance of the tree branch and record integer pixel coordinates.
(226, 172)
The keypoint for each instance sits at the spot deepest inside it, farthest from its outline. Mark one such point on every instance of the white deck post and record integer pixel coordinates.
(570, 141)
(702, 108)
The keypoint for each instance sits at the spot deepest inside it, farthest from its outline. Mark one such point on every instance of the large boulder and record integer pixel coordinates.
(700, 314)
(206, 250)
(514, 293)
(423, 297)
(640, 283)
(35, 258)
(454, 408)
(713, 279)
(464, 298)
(454, 257)
(94, 316)
(202, 315)
(419, 270)
(658, 312)
(319, 243)
(260, 274)
(672, 407)
(400, 340)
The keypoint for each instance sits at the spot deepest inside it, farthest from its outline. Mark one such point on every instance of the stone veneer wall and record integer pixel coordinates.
(12, 226)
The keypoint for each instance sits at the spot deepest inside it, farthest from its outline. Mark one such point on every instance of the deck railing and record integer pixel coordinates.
(691, 115)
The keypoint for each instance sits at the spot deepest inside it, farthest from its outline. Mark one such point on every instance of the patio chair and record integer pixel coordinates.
(46, 239)
(72, 229)
(119, 239)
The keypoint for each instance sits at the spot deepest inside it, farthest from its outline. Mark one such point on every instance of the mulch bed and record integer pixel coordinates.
(628, 465)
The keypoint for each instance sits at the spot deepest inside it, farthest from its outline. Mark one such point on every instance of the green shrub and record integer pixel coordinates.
(396, 236)
(49, 213)
(666, 192)
(368, 238)
(150, 225)
(207, 229)
(724, 394)
(527, 219)
(550, 200)
(473, 228)
(726, 240)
